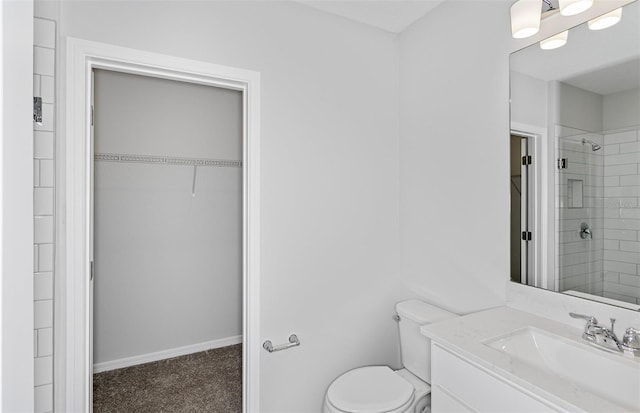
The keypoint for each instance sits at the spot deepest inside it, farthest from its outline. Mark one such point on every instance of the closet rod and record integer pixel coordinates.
(167, 160)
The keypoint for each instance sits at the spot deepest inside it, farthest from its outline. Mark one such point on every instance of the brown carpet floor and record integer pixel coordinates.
(209, 381)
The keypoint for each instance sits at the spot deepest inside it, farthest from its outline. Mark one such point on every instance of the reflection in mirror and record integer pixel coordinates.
(575, 209)
(522, 196)
(574, 193)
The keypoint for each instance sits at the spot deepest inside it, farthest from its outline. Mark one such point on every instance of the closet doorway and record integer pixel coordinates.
(73, 367)
(167, 267)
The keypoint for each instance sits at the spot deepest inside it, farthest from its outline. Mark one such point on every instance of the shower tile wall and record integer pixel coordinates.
(43, 174)
(622, 216)
(580, 264)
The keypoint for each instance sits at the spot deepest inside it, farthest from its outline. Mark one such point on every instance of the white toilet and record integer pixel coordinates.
(377, 389)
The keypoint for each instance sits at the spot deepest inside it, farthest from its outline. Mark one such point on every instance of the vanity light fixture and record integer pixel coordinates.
(527, 14)
(606, 20)
(571, 7)
(555, 41)
(525, 18)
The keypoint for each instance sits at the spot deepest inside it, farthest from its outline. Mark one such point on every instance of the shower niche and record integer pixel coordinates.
(575, 193)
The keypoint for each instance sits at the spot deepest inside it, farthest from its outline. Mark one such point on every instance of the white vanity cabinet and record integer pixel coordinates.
(503, 360)
(458, 385)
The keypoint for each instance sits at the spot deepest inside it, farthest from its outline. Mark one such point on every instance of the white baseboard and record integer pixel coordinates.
(165, 354)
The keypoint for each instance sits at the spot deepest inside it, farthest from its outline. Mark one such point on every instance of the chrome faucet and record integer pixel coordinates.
(606, 338)
(631, 339)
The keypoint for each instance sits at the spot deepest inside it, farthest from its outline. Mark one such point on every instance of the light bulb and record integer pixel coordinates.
(555, 41)
(571, 7)
(525, 18)
(606, 20)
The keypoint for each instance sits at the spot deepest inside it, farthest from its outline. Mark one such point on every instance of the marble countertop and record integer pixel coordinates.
(466, 336)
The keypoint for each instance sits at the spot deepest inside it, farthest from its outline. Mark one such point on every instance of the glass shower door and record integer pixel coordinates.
(580, 212)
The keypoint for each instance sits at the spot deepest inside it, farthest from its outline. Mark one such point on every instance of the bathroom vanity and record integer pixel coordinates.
(506, 360)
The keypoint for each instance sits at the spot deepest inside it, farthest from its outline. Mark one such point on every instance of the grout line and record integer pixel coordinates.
(44, 47)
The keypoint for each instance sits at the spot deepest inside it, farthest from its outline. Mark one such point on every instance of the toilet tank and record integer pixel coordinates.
(414, 347)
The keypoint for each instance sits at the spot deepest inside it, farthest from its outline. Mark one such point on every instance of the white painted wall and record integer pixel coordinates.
(17, 366)
(528, 100)
(454, 162)
(168, 264)
(621, 110)
(454, 170)
(330, 117)
(579, 108)
(329, 171)
(153, 116)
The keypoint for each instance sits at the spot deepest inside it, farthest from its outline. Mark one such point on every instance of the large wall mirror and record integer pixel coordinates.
(575, 163)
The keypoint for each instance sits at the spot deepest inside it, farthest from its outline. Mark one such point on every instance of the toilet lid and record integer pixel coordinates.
(370, 389)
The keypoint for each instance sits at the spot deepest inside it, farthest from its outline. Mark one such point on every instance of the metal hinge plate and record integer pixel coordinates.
(526, 160)
(562, 163)
(37, 110)
(526, 235)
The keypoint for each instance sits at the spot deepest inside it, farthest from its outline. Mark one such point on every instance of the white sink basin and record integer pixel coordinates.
(607, 375)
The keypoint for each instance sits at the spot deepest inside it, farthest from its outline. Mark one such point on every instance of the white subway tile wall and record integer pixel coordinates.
(609, 264)
(43, 401)
(580, 264)
(43, 226)
(622, 222)
(43, 201)
(44, 33)
(45, 342)
(45, 257)
(43, 145)
(43, 370)
(43, 314)
(46, 89)
(43, 182)
(43, 286)
(46, 173)
(44, 60)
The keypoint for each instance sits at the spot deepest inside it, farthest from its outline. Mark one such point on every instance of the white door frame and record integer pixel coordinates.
(72, 365)
(542, 225)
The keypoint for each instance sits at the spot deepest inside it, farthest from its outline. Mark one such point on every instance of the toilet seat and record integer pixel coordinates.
(370, 389)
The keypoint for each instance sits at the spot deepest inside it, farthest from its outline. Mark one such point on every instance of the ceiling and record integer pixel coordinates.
(391, 15)
(608, 80)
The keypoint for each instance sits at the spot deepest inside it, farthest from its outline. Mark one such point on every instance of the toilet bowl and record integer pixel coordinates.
(375, 389)
(378, 389)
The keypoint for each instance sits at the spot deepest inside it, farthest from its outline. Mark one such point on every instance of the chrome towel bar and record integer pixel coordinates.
(293, 342)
